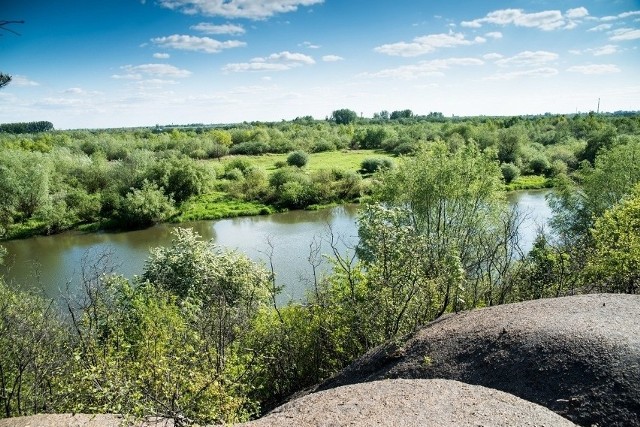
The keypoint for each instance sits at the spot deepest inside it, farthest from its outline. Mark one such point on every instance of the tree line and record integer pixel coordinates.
(56, 180)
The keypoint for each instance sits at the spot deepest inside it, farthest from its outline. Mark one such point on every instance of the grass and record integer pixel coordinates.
(529, 182)
(219, 205)
(348, 160)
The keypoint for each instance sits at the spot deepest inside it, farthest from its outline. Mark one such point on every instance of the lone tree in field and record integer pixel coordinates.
(298, 158)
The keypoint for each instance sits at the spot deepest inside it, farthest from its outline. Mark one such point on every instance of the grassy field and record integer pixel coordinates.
(342, 160)
(219, 205)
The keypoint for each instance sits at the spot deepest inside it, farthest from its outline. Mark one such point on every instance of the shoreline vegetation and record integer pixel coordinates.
(120, 179)
(219, 205)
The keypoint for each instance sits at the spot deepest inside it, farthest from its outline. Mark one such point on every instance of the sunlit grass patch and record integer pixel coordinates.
(346, 160)
(219, 205)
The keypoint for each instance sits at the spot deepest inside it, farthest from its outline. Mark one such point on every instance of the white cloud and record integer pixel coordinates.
(197, 44)
(131, 76)
(155, 83)
(137, 72)
(624, 34)
(620, 16)
(528, 58)
(424, 68)
(601, 27)
(546, 20)
(604, 50)
(628, 14)
(75, 91)
(492, 56)
(598, 51)
(22, 81)
(536, 72)
(594, 69)
(161, 55)
(426, 44)
(250, 9)
(309, 45)
(207, 28)
(494, 35)
(59, 102)
(578, 12)
(275, 62)
(332, 58)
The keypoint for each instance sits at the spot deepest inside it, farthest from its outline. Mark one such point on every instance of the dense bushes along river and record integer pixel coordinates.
(56, 180)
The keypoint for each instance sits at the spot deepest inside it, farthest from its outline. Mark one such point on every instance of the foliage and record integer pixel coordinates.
(297, 158)
(614, 265)
(140, 353)
(344, 116)
(29, 127)
(371, 165)
(145, 206)
(5, 79)
(509, 172)
(576, 206)
(31, 345)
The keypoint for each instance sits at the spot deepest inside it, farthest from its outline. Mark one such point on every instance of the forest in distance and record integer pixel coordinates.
(197, 336)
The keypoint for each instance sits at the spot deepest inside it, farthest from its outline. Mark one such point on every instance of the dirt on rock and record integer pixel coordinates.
(81, 420)
(433, 403)
(578, 356)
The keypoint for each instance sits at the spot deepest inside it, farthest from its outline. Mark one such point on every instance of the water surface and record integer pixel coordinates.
(51, 263)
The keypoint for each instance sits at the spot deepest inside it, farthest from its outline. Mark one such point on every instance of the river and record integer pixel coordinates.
(50, 263)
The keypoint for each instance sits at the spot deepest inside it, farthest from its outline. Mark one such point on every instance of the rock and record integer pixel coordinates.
(434, 403)
(578, 356)
(80, 420)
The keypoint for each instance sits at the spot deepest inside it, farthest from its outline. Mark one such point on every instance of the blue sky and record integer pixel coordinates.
(120, 63)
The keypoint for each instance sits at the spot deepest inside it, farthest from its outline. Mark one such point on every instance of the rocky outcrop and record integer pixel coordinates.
(578, 356)
(434, 403)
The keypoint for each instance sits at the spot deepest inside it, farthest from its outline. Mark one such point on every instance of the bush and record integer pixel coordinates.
(510, 172)
(406, 148)
(321, 146)
(372, 165)
(234, 175)
(252, 148)
(539, 165)
(241, 164)
(297, 158)
(145, 206)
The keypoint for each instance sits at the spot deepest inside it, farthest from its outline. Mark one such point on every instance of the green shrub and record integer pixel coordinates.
(322, 146)
(509, 172)
(539, 165)
(252, 148)
(145, 206)
(297, 158)
(234, 175)
(372, 165)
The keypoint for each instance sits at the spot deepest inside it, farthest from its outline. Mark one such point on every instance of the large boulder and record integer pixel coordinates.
(82, 420)
(434, 403)
(578, 356)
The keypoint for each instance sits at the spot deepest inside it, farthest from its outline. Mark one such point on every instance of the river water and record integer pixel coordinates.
(51, 263)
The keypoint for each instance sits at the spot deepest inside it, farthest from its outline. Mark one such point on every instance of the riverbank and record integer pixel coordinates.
(218, 205)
